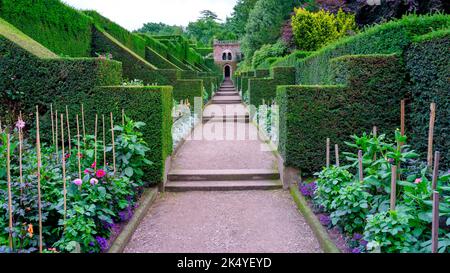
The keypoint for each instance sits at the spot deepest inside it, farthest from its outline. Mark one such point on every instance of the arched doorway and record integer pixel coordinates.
(227, 71)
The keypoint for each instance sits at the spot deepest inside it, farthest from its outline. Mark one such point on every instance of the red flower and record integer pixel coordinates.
(80, 155)
(100, 173)
(67, 156)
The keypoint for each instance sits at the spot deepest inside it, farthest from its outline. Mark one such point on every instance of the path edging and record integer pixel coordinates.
(327, 245)
(146, 200)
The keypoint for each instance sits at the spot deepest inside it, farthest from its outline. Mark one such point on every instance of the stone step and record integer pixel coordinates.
(223, 175)
(226, 101)
(240, 118)
(226, 94)
(183, 186)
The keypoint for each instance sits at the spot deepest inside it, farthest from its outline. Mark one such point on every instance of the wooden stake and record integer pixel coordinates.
(336, 149)
(360, 164)
(84, 128)
(435, 224)
(374, 132)
(113, 148)
(68, 129)
(79, 149)
(95, 142)
(63, 169)
(123, 118)
(38, 151)
(437, 157)
(393, 187)
(20, 158)
(8, 174)
(53, 127)
(328, 152)
(402, 117)
(430, 134)
(104, 143)
(56, 135)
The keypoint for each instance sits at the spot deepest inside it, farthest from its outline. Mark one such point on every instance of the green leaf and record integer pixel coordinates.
(129, 171)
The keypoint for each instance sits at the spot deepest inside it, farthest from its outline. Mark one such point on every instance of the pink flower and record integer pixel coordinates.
(93, 181)
(78, 182)
(67, 156)
(20, 124)
(100, 173)
(86, 171)
(94, 165)
(418, 180)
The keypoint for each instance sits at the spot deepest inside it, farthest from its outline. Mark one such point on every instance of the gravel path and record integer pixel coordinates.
(224, 222)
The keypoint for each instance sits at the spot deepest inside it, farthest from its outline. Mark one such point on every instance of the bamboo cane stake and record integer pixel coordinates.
(79, 149)
(53, 127)
(63, 170)
(336, 149)
(84, 128)
(113, 148)
(393, 186)
(20, 158)
(360, 165)
(95, 142)
(56, 135)
(104, 143)
(437, 157)
(68, 129)
(435, 223)
(328, 152)
(375, 132)
(1, 127)
(38, 151)
(430, 134)
(402, 117)
(8, 174)
(123, 118)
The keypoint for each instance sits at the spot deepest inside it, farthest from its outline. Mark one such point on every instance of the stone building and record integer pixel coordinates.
(227, 54)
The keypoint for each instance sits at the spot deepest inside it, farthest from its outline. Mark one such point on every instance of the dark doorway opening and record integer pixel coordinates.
(227, 71)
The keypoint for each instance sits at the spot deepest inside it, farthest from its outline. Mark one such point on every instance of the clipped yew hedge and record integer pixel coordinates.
(60, 28)
(427, 61)
(188, 89)
(387, 38)
(26, 80)
(265, 89)
(150, 104)
(369, 93)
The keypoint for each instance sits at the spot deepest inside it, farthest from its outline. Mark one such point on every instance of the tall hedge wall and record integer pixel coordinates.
(188, 89)
(370, 94)
(427, 61)
(157, 60)
(58, 27)
(150, 104)
(386, 38)
(134, 66)
(265, 89)
(27, 80)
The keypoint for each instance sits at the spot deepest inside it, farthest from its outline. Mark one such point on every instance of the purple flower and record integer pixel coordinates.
(357, 236)
(102, 242)
(325, 220)
(356, 250)
(78, 182)
(20, 124)
(363, 243)
(93, 181)
(308, 189)
(126, 214)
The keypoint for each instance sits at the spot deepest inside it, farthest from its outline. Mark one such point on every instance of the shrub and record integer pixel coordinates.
(278, 49)
(330, 181)
(350, 207)
(312, 30)
(390, 232)
(428, 67)
(188, 89)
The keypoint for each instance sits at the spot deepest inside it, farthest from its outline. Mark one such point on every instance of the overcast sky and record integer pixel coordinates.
(132, 14)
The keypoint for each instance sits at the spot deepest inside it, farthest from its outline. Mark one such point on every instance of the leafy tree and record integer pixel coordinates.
(207, 28)
(238, 20)
(161, 29)
(278, 49)
(265, 22)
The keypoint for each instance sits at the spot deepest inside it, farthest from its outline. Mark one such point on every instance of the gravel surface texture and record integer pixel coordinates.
(224, 222)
